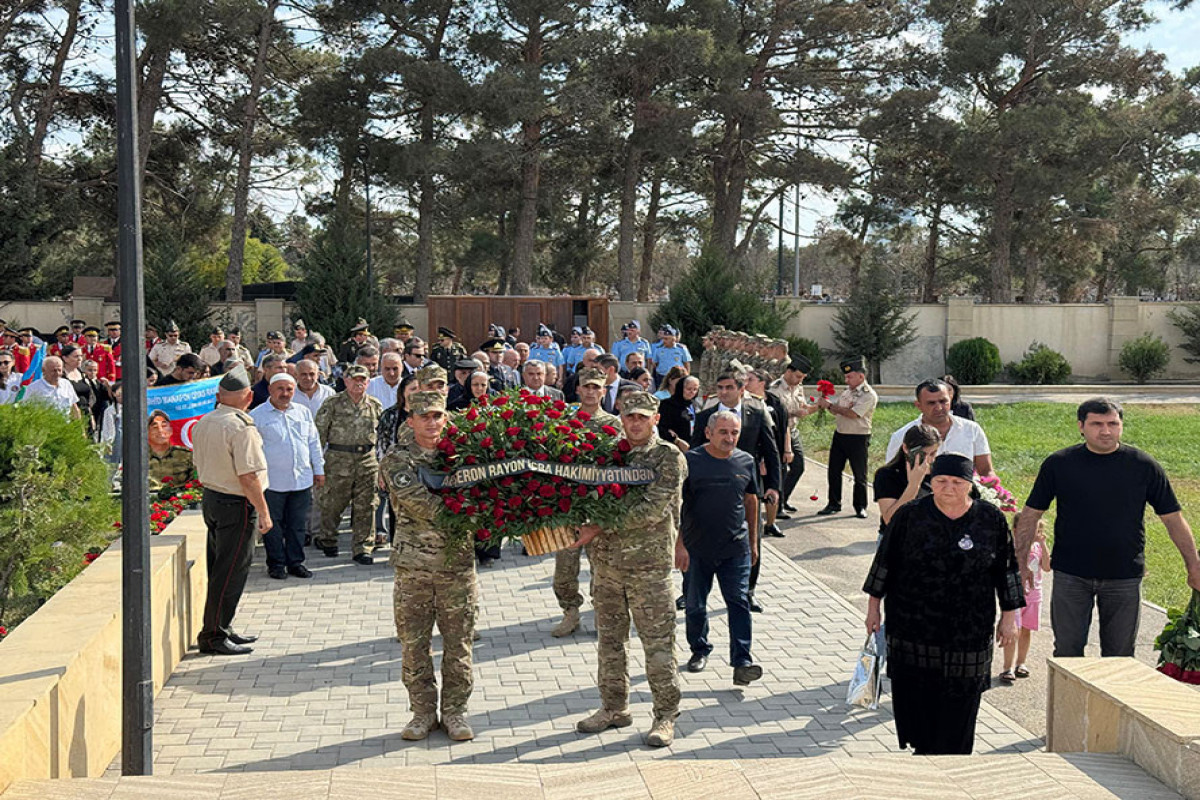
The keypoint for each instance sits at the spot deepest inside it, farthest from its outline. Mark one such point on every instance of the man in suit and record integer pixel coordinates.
(757, 438)
(534, 373)
(612, 381)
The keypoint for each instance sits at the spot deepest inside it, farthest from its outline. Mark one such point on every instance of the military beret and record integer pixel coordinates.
(61, 329)
(639, 402)
(426, 403)
(590, 376)
(430, 373)
(356, 371)
(447, 333)
(236, 379)
(466, 363)
(91, 329)
(800, 364)
(855, 364)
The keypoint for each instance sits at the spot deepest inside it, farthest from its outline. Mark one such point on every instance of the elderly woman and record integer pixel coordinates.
(478, 390)
(943, 562)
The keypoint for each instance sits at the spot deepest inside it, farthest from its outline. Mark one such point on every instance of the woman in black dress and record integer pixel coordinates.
(906, 476)
(677, 414)
(72, 358)
(958, 406)
(478, 386)
(942, 564)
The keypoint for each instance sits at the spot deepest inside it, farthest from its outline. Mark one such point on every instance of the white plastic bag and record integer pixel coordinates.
(866, 684)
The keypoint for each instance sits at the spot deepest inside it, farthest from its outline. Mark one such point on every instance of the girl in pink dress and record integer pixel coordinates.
(1027, 618)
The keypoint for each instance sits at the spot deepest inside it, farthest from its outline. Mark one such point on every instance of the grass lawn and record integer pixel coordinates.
(1023, 434)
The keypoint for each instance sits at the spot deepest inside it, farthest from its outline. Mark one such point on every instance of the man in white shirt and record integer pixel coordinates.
(54, 389)
(535, 380)
(295, 464)
(959, 435)
(310, 392)
(384, 385)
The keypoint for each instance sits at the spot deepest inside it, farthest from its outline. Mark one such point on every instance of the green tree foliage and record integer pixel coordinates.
(974, 361)
(176, 290)
(1041, 366)
(261, 263)
(1187, 320)
(1144, 357)
(711, 293)
(800, 346)
(873, 323)
(335, 293)
(54, 505)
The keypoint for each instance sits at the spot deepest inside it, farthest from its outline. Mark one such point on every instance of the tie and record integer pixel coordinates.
(610, 398)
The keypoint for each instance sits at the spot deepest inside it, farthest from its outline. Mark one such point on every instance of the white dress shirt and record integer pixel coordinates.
(12, 388)
(314, 403)
(61, 397)
(291, 445)
(965, 438)
(379, 388)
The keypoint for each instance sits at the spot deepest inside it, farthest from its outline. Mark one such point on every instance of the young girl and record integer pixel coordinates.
(1027, 618)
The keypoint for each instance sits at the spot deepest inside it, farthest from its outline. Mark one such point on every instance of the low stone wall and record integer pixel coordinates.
(60, 670)
(1120, 705)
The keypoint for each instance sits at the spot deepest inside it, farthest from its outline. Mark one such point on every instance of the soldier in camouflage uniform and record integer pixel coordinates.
(567, 562)
(447, 352)
(166, 460)
(346, 424)
(631, 567)
(435, 580)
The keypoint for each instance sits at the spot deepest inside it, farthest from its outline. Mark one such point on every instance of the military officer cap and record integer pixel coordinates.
(633, 325)
(61, 329)
(542, 330)
(590, 376)
(800, 364)
(299, 325)
(493, 346)
(447, 333)
(430, 373)
(496, 331)
(158, 412)
(403, 325)
(587, 331)
(426, 403)
(855, 364)
(625, 327)
(215, 330)
(29, 330)
(75, 322)
(360, 327)
(642, 403)
(113, 323)
(356, 371)
(275, 335)
(669, 330)
(577, 331)
(466, 363)
(236, 379)
(172, 326)
(91, 329)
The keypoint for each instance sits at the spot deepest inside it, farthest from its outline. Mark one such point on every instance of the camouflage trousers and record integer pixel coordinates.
(566, 578)
(647, 598)
(420, 598)
(349, 481)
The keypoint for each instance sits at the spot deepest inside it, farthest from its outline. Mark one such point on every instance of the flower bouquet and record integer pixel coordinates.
(827, 390)
(529, 467)
(992, 491)
(170, 501)
(1179, 643)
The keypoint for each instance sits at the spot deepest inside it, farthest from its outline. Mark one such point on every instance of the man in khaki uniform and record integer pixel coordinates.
(164, 354)
(346, 424)
(435, 580)
(233, 470)
(590, 386)
(851, 436)
(631, 567)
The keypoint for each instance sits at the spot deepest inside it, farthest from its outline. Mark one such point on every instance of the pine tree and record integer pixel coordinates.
(335, 292)
(873, 323)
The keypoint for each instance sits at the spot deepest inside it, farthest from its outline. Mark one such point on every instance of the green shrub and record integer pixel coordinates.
(1041, 365)
(1187, 319)
(55, 505)
(974, 361)
(799, 346)
(1144, 357)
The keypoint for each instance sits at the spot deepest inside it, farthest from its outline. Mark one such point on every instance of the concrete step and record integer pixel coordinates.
(1025, 776)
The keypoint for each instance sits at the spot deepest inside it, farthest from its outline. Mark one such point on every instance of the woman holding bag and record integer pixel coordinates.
(943, 562)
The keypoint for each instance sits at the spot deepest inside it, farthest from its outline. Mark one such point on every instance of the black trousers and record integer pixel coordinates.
(795, 471)
(850, 447)
(231, 521)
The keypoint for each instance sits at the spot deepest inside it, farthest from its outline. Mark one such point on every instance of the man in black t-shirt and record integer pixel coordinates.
(1102, 488)
(717, 538)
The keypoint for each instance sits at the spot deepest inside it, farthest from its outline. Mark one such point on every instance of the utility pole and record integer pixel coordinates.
(137, 684)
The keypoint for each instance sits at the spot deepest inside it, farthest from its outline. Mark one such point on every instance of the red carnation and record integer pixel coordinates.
(565, 491)
(168, 479)
(545, 511)
(518, 444)
(507, 413)
(588, 447)
(583, 415)
(556, 479)
(513, 431)
(609, 429)
(539, 426)
(514, 502)
(493, 492)
(591, 437)
(474, 492)
(564, 505)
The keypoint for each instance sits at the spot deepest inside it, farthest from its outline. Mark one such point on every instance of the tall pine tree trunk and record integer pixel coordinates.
(53, 88)
(1032, 264)
(929, 293)
(579, 275)
(426, 203)
(153, 69)
(241, 191)
(649, 239)
(626, 289)
(521, 270)
(505, 260)
(1003, 210)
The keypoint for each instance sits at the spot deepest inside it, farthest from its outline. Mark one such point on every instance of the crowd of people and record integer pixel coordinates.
(302, 433)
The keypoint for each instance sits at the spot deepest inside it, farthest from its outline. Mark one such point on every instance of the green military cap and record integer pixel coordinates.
(493, 346)
(642, 403)
(171, 326)
(590, 376)
(855, 364)
(426, 403)
(360, 327)
(430, 373)
(403, 324)
(356, 371)
(235, 380)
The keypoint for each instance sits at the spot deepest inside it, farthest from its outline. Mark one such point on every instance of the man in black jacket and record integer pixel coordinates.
(757, 438)
(613, 382)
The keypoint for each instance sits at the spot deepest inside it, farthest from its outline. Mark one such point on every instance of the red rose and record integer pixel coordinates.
(486, 442)
(513, 431)
(575, 423)
(540, 457)
(453, 429)
(507, 413)
(168, 479)
(583, 415)
(493, 492)
(566, 459)
(547, 490)
(532, 400)
(532, 414)
(565, 491)
(507, 480)
(483, 534)
(514, 502)
(564, 505)
(563, 429)
(617, 489)
(501, 454)
(474, 491)
(553, 413)
(591, 437)
(470, 460)
(624, 446)
(581, 490)
(545, 511)
(539, 426)
(500, 400)
(518, 444)
(461, 439)
(609, 429)
(588, 447)
(479, 427)
(556, 479)
(601, 460)
(472, 413)
(600, 490)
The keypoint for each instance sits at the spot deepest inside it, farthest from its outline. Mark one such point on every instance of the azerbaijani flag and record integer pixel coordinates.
(33, 371)
(184, 404)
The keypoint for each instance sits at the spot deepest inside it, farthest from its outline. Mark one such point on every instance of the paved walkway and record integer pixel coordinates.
(322, 688)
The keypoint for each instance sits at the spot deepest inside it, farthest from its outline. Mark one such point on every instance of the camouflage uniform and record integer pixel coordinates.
(176, 463)
(632, 578)
(567, 563)
(350, 473)
(435, 582)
